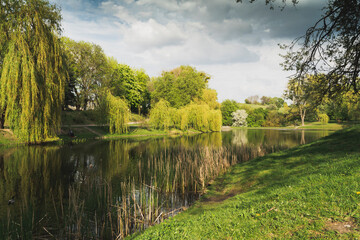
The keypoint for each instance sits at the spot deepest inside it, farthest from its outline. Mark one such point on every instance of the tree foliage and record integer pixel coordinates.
(88, 68)
(180, 86)
(209, 97)
(160, 117)
(117, 114)
(324, 118)
(330, 47)
(257, 117)
(128, 83)
(305, 94)
(32, 70)
(227, 108)
(195, 116)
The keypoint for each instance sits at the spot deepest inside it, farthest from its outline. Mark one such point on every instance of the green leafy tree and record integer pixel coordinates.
(279, 102)
(305, 94)
(179, 86)
(324, 118)
(32, 71)
(257, 117)
(88, 67)
(144, 104)
(227, 108)
(129, 84)
(160, 116)
(209, 97)
(117, 114)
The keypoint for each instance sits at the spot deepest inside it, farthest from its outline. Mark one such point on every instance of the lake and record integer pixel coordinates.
(108, 189)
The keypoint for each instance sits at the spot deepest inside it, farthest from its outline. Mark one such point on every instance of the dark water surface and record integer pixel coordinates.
(111, 188)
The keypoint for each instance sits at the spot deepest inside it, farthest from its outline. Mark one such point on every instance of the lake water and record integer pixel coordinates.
(112, 188)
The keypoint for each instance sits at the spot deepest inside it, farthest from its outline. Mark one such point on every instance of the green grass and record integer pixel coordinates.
(319, 125)
(251, 106)
(78, 117)
(309, 125)
(7, 138)
(310, 191)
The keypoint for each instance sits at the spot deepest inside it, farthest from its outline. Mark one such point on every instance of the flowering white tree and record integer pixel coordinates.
(239, 118)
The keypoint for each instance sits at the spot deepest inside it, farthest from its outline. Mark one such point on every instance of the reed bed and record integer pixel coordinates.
(159, 187)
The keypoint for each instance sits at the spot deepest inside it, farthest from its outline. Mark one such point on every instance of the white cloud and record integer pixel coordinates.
(141, 36)
(235, 43)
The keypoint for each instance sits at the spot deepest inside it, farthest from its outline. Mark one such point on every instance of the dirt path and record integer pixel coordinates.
(93, 131)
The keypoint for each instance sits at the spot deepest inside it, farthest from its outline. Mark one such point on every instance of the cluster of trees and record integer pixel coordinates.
(91, 72)
(42, 73)
(272, 113)
(326, 61)
(308, 103)
(182, 100)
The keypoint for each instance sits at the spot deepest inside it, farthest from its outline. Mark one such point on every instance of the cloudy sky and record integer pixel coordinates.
(237, 44)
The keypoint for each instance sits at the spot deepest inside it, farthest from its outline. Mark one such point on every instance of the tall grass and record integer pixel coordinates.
(100, 207)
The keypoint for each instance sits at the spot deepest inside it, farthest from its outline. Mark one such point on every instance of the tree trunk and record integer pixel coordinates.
(302, 115)
(302, 120)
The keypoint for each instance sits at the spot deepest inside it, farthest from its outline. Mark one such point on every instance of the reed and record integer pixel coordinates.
(106, 207)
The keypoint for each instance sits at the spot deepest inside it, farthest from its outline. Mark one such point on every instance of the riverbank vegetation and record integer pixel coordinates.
(110, 189)
(309, 191)
(344, 108)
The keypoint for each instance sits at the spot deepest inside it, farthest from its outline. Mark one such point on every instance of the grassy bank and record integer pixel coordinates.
(311, 191)
(311, 126)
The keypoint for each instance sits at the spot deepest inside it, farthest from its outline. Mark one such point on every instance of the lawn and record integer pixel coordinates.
(311, 191)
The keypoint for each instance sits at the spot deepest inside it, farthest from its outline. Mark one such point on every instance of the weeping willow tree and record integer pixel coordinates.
(32, 71)
(118, 114)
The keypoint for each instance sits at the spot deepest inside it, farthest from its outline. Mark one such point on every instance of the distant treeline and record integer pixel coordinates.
(275, 112)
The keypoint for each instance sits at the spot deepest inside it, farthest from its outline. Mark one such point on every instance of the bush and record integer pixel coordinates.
(239, 118)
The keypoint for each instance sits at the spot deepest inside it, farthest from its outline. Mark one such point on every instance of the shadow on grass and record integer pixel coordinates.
(285, 167)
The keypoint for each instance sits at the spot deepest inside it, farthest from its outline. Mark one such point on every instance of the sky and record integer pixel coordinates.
(235, 43)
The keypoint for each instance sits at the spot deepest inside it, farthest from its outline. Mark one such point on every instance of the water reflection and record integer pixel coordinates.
(109, 189)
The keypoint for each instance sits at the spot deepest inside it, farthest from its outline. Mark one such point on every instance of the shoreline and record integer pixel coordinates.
(300, 188)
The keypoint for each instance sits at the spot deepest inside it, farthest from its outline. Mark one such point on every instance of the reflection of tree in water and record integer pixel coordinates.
(36, 177)
(302, 137)
(239, 137)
